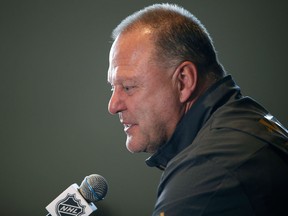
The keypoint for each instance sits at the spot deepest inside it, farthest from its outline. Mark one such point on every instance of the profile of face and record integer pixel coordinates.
(144, 94)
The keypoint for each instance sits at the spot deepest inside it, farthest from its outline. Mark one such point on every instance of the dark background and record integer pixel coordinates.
(54, 125)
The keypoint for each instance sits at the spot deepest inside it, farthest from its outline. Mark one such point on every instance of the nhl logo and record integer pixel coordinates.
(70, 206)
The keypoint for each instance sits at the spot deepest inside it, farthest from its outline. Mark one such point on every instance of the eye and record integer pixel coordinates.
(129, 88)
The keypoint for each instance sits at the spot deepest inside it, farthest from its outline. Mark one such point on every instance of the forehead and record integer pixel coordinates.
(130, 55)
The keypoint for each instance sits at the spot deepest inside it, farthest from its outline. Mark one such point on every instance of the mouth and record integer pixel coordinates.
(127, 127)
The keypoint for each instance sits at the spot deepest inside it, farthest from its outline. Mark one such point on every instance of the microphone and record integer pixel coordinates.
(76, 201)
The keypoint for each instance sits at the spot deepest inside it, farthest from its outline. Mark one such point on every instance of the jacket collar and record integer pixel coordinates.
(193, 120)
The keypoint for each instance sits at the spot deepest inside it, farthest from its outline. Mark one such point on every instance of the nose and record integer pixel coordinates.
(116, 103)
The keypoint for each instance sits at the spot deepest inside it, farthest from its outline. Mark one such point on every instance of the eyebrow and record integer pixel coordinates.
(122, 78)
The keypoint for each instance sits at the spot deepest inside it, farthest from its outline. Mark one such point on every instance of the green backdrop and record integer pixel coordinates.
(54, 125)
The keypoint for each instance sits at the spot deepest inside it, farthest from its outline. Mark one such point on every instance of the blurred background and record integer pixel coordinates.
(54, 125)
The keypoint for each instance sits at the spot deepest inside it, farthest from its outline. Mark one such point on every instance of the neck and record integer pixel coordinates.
(200, 90)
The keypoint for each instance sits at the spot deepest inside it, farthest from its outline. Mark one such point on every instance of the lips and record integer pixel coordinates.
(127, 126)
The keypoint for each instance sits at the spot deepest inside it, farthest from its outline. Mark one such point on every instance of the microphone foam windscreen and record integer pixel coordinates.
(94, 188)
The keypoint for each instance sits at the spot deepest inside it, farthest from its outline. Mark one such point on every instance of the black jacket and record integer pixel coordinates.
(224, 159)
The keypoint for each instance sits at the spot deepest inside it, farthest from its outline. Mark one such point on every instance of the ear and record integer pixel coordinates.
(187, 76)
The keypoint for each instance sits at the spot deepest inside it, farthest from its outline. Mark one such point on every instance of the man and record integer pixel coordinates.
(222, 153)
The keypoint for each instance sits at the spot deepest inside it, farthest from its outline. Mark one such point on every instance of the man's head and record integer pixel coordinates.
(161, 61)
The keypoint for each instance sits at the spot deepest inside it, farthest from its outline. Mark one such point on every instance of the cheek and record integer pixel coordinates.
(168, 103)
(156, 106)
(155, 113)
(168, 111)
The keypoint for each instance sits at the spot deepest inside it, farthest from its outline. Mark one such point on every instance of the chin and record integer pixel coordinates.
(133, 147)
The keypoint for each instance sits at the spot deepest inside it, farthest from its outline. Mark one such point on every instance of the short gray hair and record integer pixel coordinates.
(179, 36)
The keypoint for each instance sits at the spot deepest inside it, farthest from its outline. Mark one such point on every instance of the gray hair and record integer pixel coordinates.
(178, 36)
